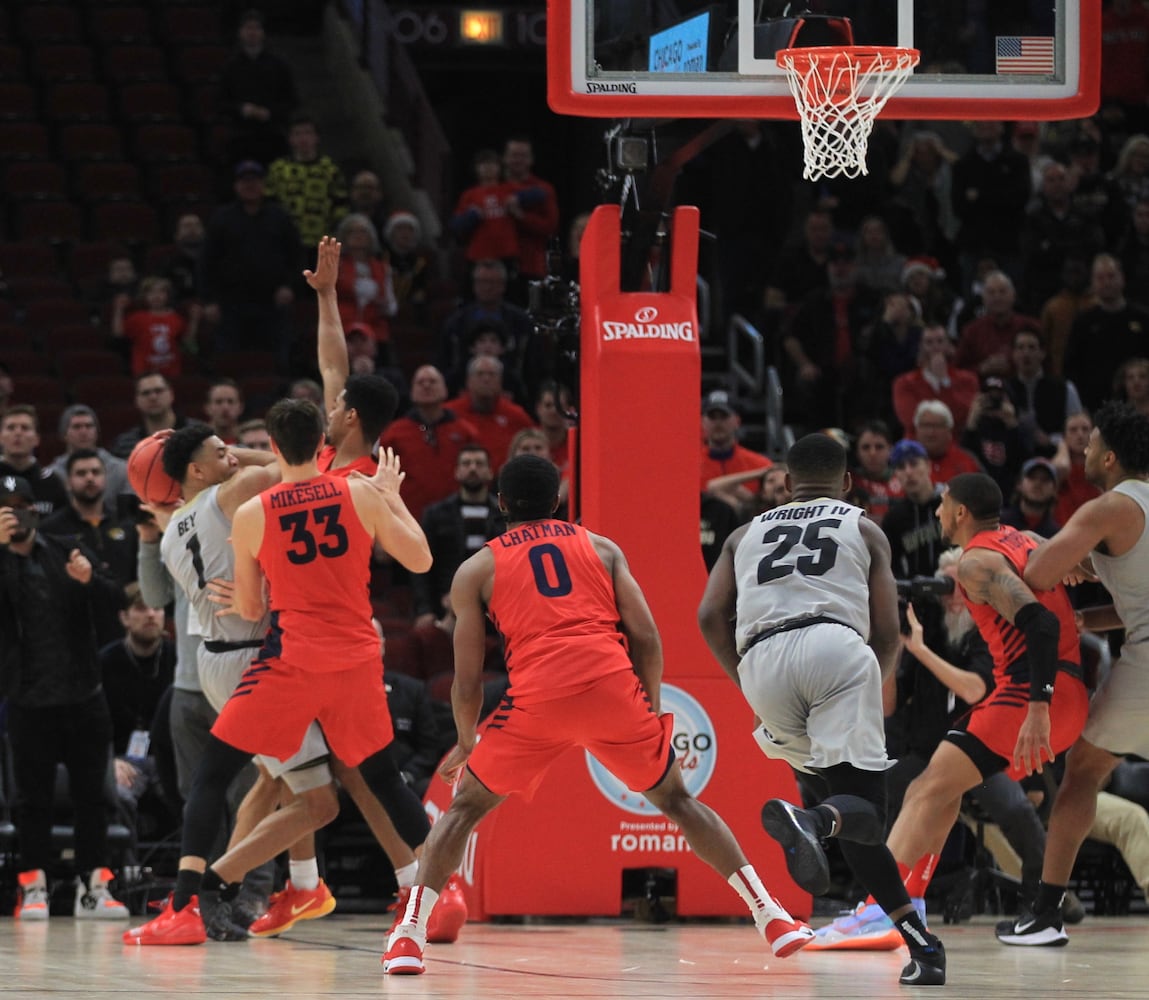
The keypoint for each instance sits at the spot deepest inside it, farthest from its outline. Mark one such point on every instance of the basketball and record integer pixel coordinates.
(147, 476)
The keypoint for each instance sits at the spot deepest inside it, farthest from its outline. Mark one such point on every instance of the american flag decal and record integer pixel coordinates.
(1023, 54)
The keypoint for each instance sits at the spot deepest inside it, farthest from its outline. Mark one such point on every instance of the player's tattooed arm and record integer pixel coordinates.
(988, 578)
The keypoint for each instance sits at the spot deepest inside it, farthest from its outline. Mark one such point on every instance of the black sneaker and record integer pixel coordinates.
(1072, 909)
(218, 920)
(1033, 930)
(797, 831)
(926, 967)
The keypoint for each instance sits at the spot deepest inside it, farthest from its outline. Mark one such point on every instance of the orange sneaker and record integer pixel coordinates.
(286, 908)
(449, 914)
(404, 955)
(32, 895)
(171, 927)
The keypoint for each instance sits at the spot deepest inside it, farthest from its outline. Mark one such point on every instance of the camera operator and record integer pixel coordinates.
(993, 433)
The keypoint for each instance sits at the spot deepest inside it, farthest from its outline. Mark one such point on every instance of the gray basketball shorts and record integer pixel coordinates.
(219, 673)
(1120, 708)
(818, 692)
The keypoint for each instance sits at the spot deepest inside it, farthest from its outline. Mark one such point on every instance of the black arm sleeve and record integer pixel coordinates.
(1042, 636)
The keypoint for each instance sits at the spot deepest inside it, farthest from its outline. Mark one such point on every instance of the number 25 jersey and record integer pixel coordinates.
(804, 559)
(554, 603)
(316, 556)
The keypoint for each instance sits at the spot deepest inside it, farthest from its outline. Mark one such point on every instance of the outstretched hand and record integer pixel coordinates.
(388, 476)
(326, 272)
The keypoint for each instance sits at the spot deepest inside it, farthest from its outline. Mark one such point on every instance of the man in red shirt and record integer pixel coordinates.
(934, 378)
(482, 222)
(721, 452)
(533, 206)
(585, 663)
(985, 343)
(934, 428)
(495, 418)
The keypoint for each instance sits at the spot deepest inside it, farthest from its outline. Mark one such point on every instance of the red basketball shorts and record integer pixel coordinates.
(996, 724)
(274, 702)
(612, 719)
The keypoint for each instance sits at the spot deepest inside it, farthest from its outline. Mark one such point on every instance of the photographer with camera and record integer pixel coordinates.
(992, 433)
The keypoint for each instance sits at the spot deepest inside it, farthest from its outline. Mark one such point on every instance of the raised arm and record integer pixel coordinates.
(334, 366)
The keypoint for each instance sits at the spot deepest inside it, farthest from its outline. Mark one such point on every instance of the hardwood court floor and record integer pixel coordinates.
(339, 958)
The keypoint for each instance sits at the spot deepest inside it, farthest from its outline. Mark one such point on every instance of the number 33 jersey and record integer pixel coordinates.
(554, 603)
(803, 559)
(196, 547)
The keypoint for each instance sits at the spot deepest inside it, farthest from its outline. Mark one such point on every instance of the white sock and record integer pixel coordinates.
(305, 874)
(406, 875)
(419, 906)
(758, 901)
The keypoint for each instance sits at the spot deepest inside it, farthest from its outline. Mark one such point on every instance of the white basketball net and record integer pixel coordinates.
(839, 93)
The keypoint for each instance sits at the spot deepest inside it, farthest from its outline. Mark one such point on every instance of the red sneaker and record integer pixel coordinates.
(171, 927)
(32, 895)
(404, 957)
(285, 909)
(449, 914)
(788, 936)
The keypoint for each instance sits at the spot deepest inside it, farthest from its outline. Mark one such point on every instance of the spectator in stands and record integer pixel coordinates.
(488, 338)
(923, 279)
(1131, 174)
(1131, 383)
(911, 524)
(410, 264)
(184, 265)
(482, 403)
(1106, 335)
(1042, 401)
(894, 339)
(993, 434)
(1094, 192)
(364, 289)
(934, 378)
(875, 485)
(1059, 313)
(56, 707)
(878, 265)
(986, 342)
(158, 334)
(991, 188)
(155, 403)
(934, 428)
(19, 438)
(365, 197)
(253, 434)
(428, 439)
(803, 268)
(1074, 489)
(482, 222)
(418, 747)
(309, 185)
(80, 428)
(251, 261)
(721, 453)
(1034, 499)
(552, 406)
(1054, 229)
(6, 386)
(257, 93)
(1133, 252)
(534, 207)
(223, 407)
(137, 669)
(922, 183)
(121, 279)
(489, 285)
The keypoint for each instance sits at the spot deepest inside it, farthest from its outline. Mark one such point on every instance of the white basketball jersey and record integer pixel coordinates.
(195, 548)
(1126, 577)
(801, 560)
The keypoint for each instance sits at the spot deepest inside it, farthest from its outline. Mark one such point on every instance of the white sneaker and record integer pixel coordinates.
(94, 901)
(32, 899)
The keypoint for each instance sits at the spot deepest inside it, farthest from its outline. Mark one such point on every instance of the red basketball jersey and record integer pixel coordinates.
(1006, 642)
(367, 464)
(554, 604)
(316, 556)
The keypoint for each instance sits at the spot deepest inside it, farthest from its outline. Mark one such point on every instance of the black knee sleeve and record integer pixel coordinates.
(206, 807)
(395, 795)
(860, 800)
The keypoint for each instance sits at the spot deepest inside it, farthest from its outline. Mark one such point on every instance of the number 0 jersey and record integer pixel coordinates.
(316, 556)
(805, 559)
(554, 604)
(195, 548)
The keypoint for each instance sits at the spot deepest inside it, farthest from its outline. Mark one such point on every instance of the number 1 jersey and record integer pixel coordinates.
(805, 559)
(554, 603)
(316, 556)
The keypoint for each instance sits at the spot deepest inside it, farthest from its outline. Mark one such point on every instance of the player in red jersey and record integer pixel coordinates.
(310, 539)
(585, 664)
(1038, 706)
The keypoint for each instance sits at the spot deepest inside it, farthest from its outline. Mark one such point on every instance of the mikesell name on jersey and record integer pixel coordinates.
(305, 493)
(647, 331)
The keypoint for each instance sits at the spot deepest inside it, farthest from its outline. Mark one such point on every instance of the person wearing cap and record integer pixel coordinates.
(935, 377)
(19, 438)
(80, 428)
(993, 434)
(56, 708)
(911, 525)
(308, 184)
(1031, 508)
(251, 261)
(364, 289)
(722, 455)
(985, 342)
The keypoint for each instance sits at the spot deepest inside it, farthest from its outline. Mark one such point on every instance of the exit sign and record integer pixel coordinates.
(481, 27)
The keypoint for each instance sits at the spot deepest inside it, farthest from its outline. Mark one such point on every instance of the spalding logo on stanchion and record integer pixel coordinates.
(695, 751)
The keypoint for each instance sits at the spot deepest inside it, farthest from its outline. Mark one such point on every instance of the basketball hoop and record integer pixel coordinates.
(839, 91)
